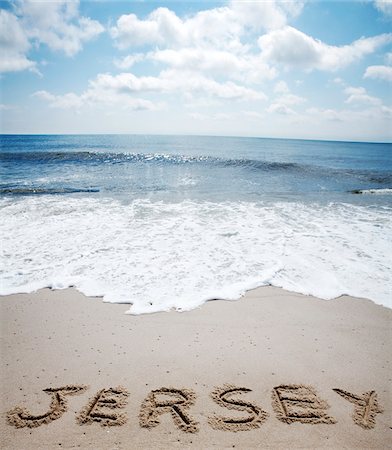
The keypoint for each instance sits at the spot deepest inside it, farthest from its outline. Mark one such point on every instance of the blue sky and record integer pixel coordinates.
(292, 69)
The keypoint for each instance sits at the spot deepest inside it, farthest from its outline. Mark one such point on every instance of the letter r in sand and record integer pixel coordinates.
(168, 400)
(21, 417)
(299, 403)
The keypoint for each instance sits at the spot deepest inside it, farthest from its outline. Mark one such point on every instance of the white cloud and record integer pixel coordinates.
(55, 24)
(128, 83)
(211, 54)
(327, 114)
(254, 115)
(266, 15)
(359, 95)
(91, 97)
(4, 107)
(14, 45)
(211, 40)
(66, 101)
(376, 113)
(386, 111)
(198, 116)
(285, 100)
(293, 48)
(207, 42)
(339, 81)
(164, 28)
(132, 32)
(380, 72)
(291, 99)
(385, 6)
(95, 96)
(121, 90)
(128, 61)
(210, 60)
(246, 67)
(280, 108)
(173, 81)
(281, 87)
(220, 26)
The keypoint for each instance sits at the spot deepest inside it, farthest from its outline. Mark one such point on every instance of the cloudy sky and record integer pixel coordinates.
(300, 69)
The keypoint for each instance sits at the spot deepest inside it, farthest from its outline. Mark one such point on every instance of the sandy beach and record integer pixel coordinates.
(272, 370)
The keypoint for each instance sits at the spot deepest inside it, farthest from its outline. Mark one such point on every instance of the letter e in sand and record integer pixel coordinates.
(299, 403)
(101, 407)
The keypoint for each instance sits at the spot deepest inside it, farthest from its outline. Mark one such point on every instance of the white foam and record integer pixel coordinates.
(386, 191)
(160, 256)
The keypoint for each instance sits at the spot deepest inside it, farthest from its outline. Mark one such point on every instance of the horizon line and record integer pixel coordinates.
(199, 135)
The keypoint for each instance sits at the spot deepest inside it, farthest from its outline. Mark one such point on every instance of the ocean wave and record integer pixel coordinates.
(386, 191)
(159, 256)
(54, 160)
(147, 158)
(43, 191)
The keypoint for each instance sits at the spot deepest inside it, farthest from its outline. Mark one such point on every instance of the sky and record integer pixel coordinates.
(284, 69)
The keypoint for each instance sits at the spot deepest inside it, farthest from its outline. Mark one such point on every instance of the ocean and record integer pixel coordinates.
(170, 222)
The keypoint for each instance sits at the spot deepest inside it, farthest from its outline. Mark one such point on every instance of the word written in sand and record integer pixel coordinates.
(291, 403)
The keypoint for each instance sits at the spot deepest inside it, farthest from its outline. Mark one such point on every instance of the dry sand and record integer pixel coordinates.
(273, 370)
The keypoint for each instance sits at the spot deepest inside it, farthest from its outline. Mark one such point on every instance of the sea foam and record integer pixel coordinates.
(159, 256)
(386, 191)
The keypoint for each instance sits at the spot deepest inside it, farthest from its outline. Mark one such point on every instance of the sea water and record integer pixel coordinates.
(169, 222)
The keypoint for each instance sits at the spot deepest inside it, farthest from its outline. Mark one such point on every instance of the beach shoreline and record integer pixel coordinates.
(265, 345)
